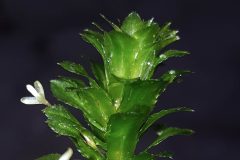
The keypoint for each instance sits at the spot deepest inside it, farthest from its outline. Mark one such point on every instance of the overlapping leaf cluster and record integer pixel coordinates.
(117, 103)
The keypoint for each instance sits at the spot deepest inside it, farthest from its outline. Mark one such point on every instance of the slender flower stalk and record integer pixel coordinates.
(67, 155)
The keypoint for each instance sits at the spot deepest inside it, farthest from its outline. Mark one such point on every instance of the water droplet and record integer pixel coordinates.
(163, 56)
(172, 72)
(117, 103)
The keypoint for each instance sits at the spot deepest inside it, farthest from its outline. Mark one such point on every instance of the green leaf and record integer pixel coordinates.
(61, 121)
(74, 68)
(96, 110)
(111, 23)
(50, 157)
(86, 151)
(169, 54)
(169, 132)
(159, 45)
(148, 156)
(99, 73)
(94, 38)
(146, 92)
(122, 135)
(154, 117)
(147, 36)
(120, 51)
(132, 23)
(77, 69)
(97, 103)
(170, 76)
(144, 156)
(140, 93)
(165, 154)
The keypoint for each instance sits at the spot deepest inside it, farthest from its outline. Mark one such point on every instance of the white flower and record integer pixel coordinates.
(38, 95)
(67, 155)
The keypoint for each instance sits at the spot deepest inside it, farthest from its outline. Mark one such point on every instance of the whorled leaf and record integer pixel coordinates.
(132, 23)
(114, 26)
(77, 69)
(140, 93)
(156, 116)
(165, 154)
(61, 121)
(96, 110)
(169, 54)
(94, 38)
(130, 51)
(145, 93)
(87, 151)
(99, 73)
(120, 49)
(148, 156)
(144, 156)
(165, 133)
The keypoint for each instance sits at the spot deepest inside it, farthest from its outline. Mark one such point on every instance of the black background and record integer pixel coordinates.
(35, 35)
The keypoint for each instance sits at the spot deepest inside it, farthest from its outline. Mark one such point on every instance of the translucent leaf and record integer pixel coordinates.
(140, 93)
(148, 156)
(132, 23)
(165, 154)
(111, 23)
(99, 73)
(96, 110)
(61, 121)
(154, 117)
(169, 132)
(50, 157)
(146, 92)
(86, 151)
(159, 45)
(94, 38)
(77, 69)
(147, 36)
(144, 156)
(120, 53)
(168, 77)
(170, 53)
(73, 67)
(122, 135)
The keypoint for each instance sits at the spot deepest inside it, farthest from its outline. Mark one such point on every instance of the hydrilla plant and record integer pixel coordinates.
(117, 103)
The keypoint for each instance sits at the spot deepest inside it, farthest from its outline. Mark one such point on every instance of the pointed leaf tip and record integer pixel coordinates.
(111, 23)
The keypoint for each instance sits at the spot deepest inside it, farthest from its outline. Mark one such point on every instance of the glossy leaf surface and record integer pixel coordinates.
(77, 69)
(97, 110)
(169, 132)
(144, 156)
(99, 73)
(64, 123)
(122, 135)
(156, 116)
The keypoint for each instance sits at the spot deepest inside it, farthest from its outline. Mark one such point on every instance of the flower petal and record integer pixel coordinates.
(67, 155)
(29, 100)
(39, 88)
(32, 90)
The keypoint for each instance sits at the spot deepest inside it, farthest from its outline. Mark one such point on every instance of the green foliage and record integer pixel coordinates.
(50, 157)
(117, 103)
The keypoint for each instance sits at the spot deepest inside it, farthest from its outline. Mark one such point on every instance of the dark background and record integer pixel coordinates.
(35, 35)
